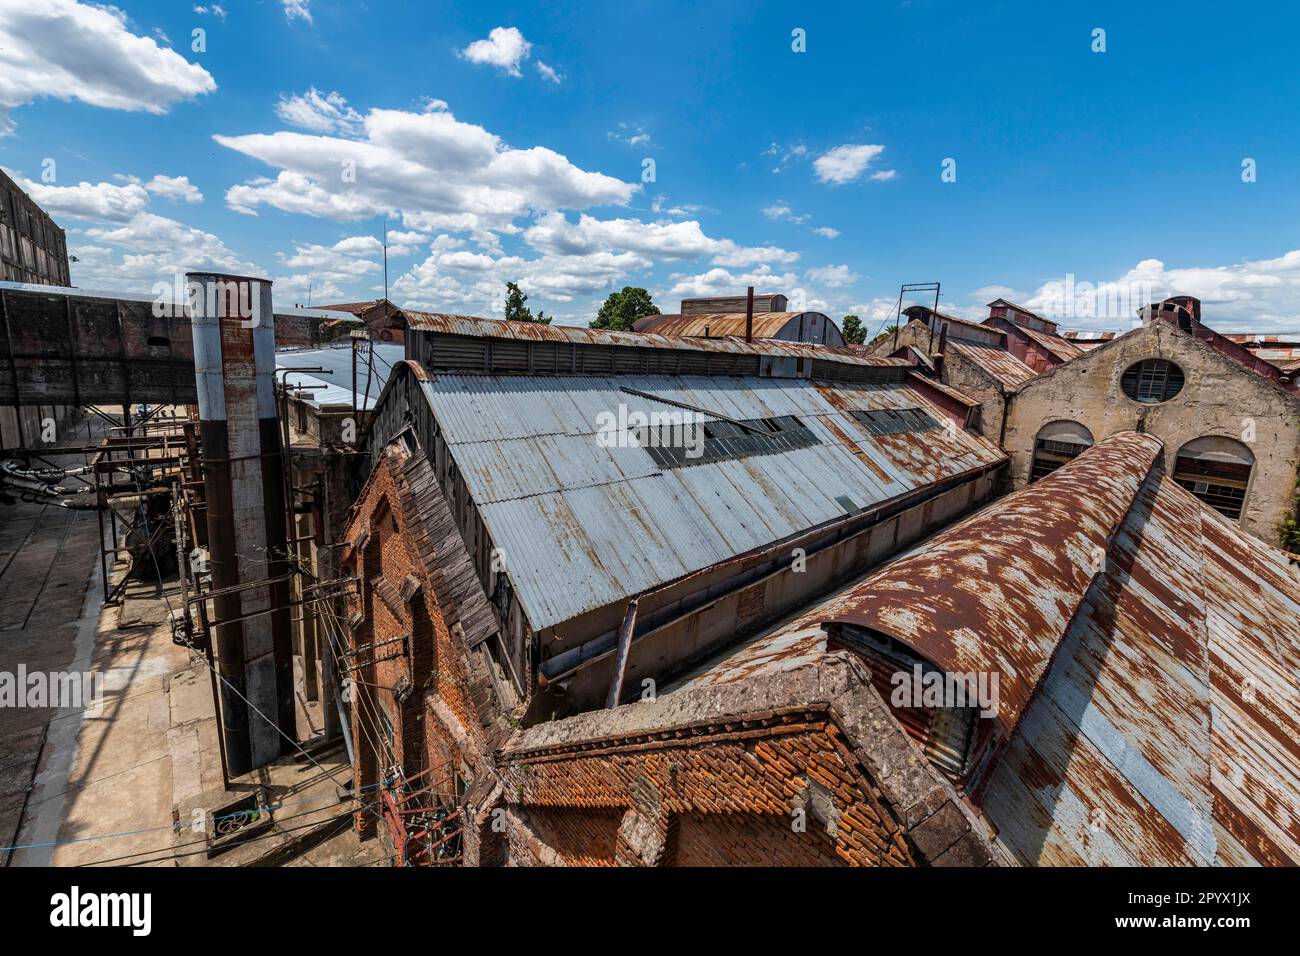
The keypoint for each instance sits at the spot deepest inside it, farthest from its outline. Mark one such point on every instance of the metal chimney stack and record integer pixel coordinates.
(234, 361)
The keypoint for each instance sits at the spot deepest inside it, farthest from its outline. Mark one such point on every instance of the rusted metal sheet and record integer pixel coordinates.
(477, 327)
(781, 650)
(1147, 653)
(583, 524)
(1062, 348)
(996, 592)
(811, 327)
(1010, 371)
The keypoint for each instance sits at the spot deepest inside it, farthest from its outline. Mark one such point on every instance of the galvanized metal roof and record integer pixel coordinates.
(583, 526)
(334, 385)
(1149, 688)
(999, 363)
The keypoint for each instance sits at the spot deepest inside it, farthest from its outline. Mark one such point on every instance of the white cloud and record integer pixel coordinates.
(215, 9)
(1255, 295)
(441, 173)
(829, 232)
(843, 164)
(319, 112)
(95, 201)
(147, 249)
(553, 233)
(548, 73)
(884, 175)
(629, 134)
(176, 188)
(723, 281)
(74, 51)
(297, 10)
(504, 48)
(833, 276)
(779, 212)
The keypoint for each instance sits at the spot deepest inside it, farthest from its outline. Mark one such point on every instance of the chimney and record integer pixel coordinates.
(749, 315)
(233, 325)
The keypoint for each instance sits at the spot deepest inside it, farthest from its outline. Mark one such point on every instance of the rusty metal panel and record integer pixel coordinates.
(996, 593)
(481, 328)
(999, 363)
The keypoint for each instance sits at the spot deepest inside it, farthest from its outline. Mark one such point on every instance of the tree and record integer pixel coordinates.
(621, 309)
(885, 333)
(853, 331)
(516, 311)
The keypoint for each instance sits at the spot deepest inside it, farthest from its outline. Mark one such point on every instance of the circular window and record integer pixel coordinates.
(1152, 380)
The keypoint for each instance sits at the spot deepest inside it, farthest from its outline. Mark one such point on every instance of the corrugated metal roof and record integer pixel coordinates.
(1153, 706)
(721, 324)
(477, 327)
(1061, 348)
(1001, 364)
(337, 379)
(583, 526)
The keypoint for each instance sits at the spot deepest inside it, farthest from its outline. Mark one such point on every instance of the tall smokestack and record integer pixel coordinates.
(234, 361)
(749, 315)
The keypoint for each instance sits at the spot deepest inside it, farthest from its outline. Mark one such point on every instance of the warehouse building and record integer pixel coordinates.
(1140, 650)
(559, 519)
(726, 317)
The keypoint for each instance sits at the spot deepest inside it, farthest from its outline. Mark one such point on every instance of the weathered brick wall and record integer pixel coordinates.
(788, 794)
(431, 695)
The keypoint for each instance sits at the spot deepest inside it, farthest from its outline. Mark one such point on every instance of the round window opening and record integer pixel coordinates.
(1152, 381)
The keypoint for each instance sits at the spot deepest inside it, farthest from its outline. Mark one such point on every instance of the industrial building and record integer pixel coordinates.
(535, 541)
(565, 596)
(33, 251)
(1227, 418)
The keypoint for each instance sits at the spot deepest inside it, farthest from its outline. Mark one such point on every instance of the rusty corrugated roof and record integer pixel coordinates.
(721, 324)
(477, 327)
(1149, 688)
(999, 363)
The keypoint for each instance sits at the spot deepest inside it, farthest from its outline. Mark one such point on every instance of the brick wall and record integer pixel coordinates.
(788, 794)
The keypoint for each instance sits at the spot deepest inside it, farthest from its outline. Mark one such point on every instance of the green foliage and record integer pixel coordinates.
(854, 333)
(885, 333)
(516, 311)
(621, 309)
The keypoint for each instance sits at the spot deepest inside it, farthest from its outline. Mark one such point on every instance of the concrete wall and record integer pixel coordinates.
(1219, 397)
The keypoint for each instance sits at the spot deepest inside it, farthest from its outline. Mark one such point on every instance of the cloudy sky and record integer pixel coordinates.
(828, 152)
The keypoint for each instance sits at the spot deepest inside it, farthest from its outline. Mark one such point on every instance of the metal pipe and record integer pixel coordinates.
(625, 645)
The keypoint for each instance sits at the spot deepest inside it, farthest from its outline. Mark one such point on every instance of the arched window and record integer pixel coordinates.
(1216, 470)
(1152, 381)
(1057, 443)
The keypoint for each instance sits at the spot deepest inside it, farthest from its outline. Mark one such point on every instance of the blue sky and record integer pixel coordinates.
(509, 142)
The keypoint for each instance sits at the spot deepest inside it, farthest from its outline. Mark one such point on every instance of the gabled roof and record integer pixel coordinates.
(587, 524)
